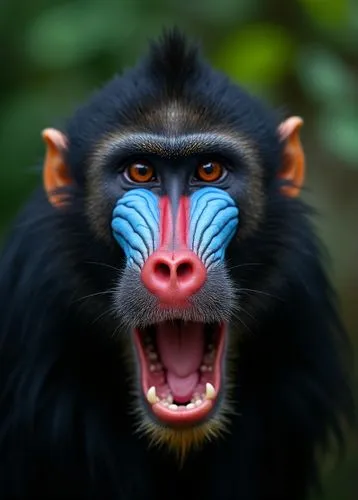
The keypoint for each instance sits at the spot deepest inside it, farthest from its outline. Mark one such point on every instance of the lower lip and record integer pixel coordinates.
(183, 416)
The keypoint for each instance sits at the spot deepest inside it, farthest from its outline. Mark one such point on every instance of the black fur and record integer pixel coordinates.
(65, 429)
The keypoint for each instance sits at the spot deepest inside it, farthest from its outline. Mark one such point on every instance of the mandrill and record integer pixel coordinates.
(167, 327)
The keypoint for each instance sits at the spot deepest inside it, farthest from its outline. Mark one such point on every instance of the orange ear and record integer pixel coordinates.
(293, 160)
(55, 173)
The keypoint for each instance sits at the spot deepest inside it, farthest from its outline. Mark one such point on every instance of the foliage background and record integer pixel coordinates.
(301, 54)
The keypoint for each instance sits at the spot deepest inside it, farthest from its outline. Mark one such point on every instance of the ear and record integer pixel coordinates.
(293, 160)
(56, 175)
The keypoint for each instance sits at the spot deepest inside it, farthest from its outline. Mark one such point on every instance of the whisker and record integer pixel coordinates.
(104, 264)
(116, 330)
(107, 311)
(96, 294)
(245, 311)
(238, 318)
(262, 292)
(248, 264)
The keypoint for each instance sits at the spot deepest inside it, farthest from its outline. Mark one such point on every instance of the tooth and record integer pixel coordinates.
(195, 397)
(203, 368)
(210, 368)
(164, 402)
(190, 406)
(173, 407)
(170, 399)
(152, 395)
(210, 391)
(198, 402)
(153, 356)
(152, 368)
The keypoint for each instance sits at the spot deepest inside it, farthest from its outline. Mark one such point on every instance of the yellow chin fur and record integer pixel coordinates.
(182, 440)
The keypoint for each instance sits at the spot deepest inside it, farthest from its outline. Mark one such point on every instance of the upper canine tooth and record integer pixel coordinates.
(152, 395)
(210, 391)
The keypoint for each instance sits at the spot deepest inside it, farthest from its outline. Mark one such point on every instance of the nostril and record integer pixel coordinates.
(162, 271)
(173, 276)
(185, 271)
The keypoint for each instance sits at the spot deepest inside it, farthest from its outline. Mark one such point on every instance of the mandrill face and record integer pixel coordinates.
(175, 214)
(175, 267)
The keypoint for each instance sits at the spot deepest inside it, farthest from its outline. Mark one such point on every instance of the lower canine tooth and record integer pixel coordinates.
(173, 407)
(152, 395)
(198, 402)
(210, 391)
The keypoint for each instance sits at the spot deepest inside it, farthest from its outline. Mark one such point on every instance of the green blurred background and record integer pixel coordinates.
(302, 54)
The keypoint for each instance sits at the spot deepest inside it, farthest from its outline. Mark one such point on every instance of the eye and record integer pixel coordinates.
(210, 171)
(140, 172)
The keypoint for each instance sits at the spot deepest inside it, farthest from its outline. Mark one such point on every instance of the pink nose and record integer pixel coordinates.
(173, 276)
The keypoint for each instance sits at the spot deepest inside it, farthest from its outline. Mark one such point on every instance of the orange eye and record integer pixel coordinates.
(140, 172)
(209, 172)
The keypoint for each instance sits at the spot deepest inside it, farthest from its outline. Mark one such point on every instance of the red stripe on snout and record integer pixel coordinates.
(178, 240)
(182, 223)
(166, 222)
(173, 273)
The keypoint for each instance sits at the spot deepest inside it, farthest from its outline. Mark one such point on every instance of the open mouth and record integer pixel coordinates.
(181, 365)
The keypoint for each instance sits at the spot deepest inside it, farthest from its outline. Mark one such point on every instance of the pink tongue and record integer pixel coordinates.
(181, 350)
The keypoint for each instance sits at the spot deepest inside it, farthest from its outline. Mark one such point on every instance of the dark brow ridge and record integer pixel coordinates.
(173, 146)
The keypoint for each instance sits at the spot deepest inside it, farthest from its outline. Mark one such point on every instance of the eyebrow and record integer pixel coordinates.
(174, 146)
